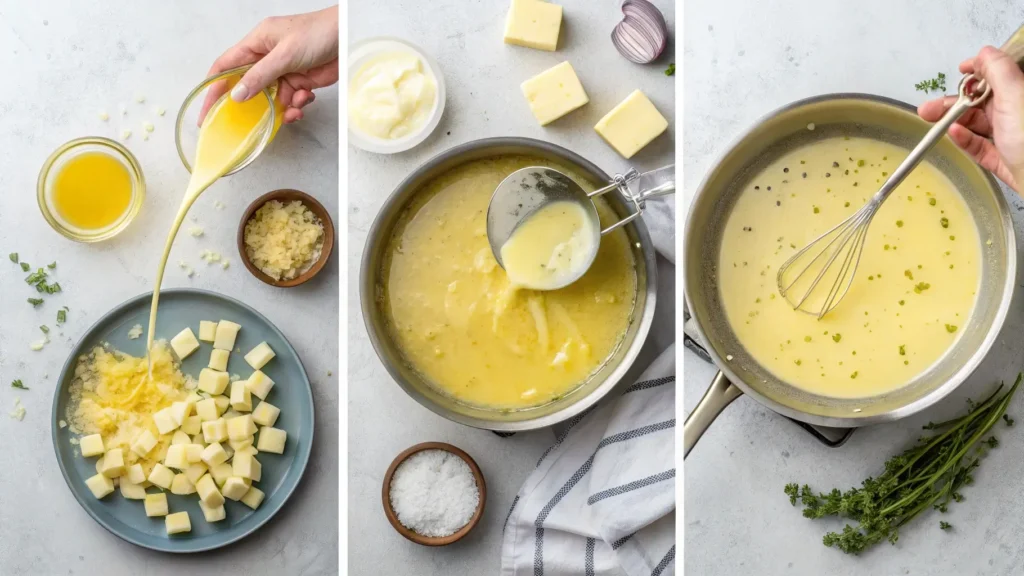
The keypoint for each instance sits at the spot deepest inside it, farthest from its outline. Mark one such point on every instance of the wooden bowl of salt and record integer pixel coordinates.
(433, 470)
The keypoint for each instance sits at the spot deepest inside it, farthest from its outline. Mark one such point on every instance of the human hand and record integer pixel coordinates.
(299, 50)
(994, 133)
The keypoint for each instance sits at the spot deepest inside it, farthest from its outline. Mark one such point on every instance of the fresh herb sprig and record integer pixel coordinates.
(937, 84)
(927, 475)
(19, 385)
(671, 70)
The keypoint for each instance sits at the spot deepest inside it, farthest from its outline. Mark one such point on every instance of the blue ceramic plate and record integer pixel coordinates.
(291, 393)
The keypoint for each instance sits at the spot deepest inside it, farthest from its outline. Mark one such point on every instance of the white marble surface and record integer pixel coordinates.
(742, 60)
(484, 99)
(63, 62)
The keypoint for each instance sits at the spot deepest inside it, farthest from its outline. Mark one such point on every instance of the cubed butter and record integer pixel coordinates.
(100, 485)
(192, 425)
(632, 124)
(215, 431)
(235, 488)
(195, 472)
(207, 331)
(199, 440)
(177, 523)
(176, 457)
(131, 490)
(206, 410)
(180, 411)
(265, 414)
(161, 476)
(184, 343)
(219, 359)
(214, 454)
(241, 398)
(165, 423)
(194, 453)
(241, 427)
(533, 24)
(144, 443)
(244, 465)
(221, 472)
(215, 514)
(180, 437)
(213, 382)
(224, 336)
(208, 492)
(222, 402)
(113, 463)
(259, 384)
(135, 474)
(91, 445)
(554, 93)
(271, 440)
(181, 485)
(253, 497)
(259, 356)
(156, 504)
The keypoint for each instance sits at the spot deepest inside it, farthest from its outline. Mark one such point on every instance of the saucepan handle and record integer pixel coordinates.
(719, 394)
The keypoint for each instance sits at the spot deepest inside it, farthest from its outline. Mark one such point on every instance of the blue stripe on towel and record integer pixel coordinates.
(649, 384)
(669, 556)
(509, 515)
(588, 559)
(635, 485)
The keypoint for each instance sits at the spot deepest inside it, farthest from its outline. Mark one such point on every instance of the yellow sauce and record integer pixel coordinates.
(460, 322)
(914, 289)
(551, 247)
(92, 191)
(228, 135)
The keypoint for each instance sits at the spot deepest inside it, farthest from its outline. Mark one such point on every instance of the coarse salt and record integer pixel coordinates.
(434, 493)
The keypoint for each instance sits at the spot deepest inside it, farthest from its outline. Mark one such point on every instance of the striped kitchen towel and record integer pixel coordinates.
(602, 499)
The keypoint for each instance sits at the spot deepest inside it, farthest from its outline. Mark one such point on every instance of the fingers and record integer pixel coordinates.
(292, 115)
(275, 64)
(1002, 74)
(981, 149)
(967, 66)
(301, 98)
(974, 119)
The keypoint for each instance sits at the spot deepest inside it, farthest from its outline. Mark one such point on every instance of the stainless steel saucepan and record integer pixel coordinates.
(800, 124)
(590, 391)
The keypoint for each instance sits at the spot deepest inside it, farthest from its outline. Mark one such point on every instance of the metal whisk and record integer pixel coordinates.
(826, 267)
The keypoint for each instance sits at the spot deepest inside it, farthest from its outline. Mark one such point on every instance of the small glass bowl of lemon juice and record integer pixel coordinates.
(90, 189)
(186, 128)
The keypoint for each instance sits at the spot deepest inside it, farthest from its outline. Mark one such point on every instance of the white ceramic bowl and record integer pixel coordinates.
(358, 54)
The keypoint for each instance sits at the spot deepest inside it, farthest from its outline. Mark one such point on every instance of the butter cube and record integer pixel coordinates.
(259, 356)
(134, 474)
(156, 504)
(259, 384)
(144, 443)
(224, 337)
(91, 445)
(533, 24)
(219, 359)
(180, 411)
(235, 488)
(265, 414)
(195, 472)
(176, 457)
(222, 403)
(192, 425)
(215, 431)
(180, 437)
(554, 93)
(271, 440)
(184, 343)
(182, 486)
(214, 454)
(253, 497)
(221, 472)
(206, 410)
(208, 492)
(165, 423)
(130, 490)
(177, 523)
(207, 331)
(113, 463)
(215, 514)
(241, 399)
(247, 450)
(193, 397)
(194, 453)
(199, 440)
(632, 124)
(213, 382)
(161, 476)
(244, 466)
(241, 427)
(100, 485)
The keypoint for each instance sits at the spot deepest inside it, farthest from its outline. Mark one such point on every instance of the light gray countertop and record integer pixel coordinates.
(483, 77)
(63, 63)
(742, 60)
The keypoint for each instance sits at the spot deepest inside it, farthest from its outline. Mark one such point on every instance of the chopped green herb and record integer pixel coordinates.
(921, 287)
(52, 265)
(13, 256)
(35, 301)
(950, 328)
(945, 525)
(931, 201)
(902, 302)
(854, 375)
(671, 70)
(807, 338)
(847, 205)
(1009, 421)
(25, 267)
(860, 163)
(952, 237)
(45, 329)
(937, 84)
(903, 349)
(62, 316)
(19, 385)
(837, 337)
(944, 221)
(797, 362)
(816, 210)
(899, 223)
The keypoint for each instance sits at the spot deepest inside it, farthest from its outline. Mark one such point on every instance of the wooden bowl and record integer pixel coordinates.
(284, 196)
(428, 540)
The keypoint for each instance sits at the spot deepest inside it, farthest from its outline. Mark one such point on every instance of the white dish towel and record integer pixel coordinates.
(602, 499)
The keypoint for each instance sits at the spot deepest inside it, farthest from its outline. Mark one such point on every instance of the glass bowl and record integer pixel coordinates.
(57, 160)
(186, 125)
